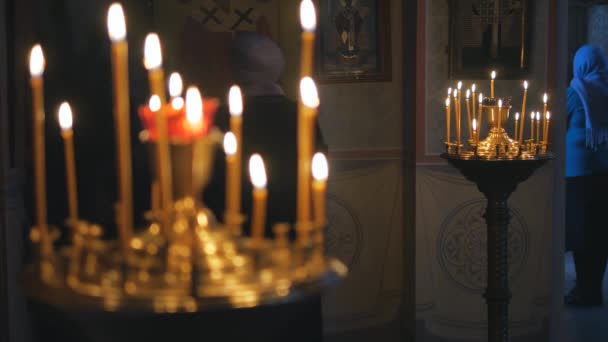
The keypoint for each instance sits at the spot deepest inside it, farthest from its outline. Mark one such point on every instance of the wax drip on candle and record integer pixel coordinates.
(117, 28)
(308, 16)
(37, 62)
(65, 116)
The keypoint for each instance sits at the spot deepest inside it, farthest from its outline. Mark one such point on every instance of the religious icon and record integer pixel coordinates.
(488, 34)
(348, 24)
(353, 40)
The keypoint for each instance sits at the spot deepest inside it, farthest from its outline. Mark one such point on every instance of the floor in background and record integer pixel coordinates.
(588, 325)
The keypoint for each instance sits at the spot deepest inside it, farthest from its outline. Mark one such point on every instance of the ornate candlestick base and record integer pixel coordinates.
(497, 179)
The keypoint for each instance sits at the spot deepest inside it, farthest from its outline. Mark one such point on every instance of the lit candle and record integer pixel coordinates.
(194, 110)
(447, 119)
(493, 76)
(473, 98)
(523, 112)
(153, 61)
(538, 137)
(37, 65)
(120, 72)
(546, 135)
(232, 179)
(468, 96)
(65, 121)
(260, 196)
(499, 125)
(480, 111)
(310, 102)
(235, 103)
(545, 99)
(516, 125)
(308, 21)
(176, 87)
(457, 116)
(532, 117)
(320, 172)
(475, 135)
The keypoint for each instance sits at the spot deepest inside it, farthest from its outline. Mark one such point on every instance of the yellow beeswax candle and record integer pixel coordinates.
(235, 102)
(320, 172)
(260, 195)
(37, 66)
(523, 112)
(153, 62)
(306, 116)
(65, 121)
(120, 76)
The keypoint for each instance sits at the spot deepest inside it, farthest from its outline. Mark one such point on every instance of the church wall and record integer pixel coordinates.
(450, 232)
(361, 123)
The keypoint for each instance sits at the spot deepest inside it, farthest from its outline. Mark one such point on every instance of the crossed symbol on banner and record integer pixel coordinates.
(211, 15)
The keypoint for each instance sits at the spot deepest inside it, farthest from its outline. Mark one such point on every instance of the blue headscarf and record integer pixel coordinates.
(591, 84)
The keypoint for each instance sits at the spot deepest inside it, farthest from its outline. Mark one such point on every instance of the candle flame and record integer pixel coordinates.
(154, 103)
(230, 144)
(235, 101)
(449, 91)
(548, 115)
(117, 28)
(480, 98)
(459, 85)
(499, 103)
(176, 85)
(455, 93)
(526, 85)
(194, 106)
(533, 116)
(493, 74)
(177, 103)
(474, 124)
(308, 16)
(65, 116)
(153, 57)
(473, 87)
(468, 94)
(447, 102)
(537, 116)
(308, 92)
(545, 98)
(320, 169)
(517, 116)
(257, 171)
(37, 62)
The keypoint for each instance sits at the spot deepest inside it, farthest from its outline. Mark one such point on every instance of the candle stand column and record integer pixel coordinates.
(497, 179)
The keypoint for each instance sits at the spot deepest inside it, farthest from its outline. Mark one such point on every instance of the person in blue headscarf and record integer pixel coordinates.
(587, 174)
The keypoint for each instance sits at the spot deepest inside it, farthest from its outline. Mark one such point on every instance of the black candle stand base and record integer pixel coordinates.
(497, 179)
